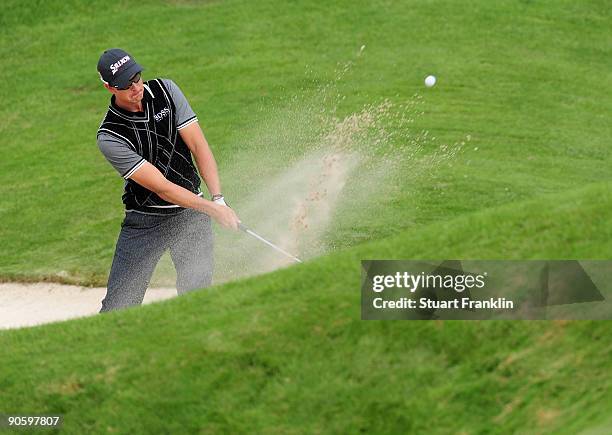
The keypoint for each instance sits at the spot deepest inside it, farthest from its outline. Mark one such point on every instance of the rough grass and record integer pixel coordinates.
(287, 353)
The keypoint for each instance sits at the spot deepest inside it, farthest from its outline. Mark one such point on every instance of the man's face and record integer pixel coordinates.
(134, 92)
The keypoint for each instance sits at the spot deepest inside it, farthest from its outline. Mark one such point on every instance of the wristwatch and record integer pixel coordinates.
(216, 196)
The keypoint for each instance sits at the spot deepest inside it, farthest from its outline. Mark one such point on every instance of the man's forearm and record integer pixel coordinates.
(149, 177)
(175, 194)
(208, 169)
(204, 159)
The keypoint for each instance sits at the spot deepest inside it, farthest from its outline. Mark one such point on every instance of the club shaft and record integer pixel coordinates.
(270, 244)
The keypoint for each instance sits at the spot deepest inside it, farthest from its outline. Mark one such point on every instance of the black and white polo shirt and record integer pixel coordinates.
(128, 139)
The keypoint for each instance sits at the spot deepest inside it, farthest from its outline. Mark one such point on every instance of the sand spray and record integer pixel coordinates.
(307, 172)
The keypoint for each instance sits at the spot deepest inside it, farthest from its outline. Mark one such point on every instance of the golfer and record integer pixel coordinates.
(149, 135)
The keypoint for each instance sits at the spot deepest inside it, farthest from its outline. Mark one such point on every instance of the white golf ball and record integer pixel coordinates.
(430, 81)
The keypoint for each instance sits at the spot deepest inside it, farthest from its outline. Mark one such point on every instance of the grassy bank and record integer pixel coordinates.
(287, 352)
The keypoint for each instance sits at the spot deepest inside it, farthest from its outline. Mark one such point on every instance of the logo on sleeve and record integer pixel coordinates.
(162, 114)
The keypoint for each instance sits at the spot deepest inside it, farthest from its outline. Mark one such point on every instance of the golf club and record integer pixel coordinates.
(272, 245)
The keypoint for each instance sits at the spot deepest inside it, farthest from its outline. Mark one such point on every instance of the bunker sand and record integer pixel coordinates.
(35, 304)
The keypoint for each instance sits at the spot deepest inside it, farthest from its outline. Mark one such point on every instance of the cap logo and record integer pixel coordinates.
(115, 66)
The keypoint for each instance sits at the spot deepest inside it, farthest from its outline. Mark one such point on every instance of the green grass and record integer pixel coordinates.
(516, 76)
(286, 352)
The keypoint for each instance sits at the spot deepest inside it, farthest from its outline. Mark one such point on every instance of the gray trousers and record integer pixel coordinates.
(144, 239)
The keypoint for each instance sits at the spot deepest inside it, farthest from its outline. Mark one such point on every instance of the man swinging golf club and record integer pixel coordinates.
(149, 135)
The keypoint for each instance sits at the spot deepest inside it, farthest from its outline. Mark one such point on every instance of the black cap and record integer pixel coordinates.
(116, 67)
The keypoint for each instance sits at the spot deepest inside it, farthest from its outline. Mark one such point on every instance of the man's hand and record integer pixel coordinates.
(225, 216)
(223, 219)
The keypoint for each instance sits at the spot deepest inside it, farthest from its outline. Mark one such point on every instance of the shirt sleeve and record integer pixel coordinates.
(184, 113)
(119, 154)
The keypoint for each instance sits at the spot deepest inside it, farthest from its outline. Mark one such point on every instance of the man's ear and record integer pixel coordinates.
(110, 88)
